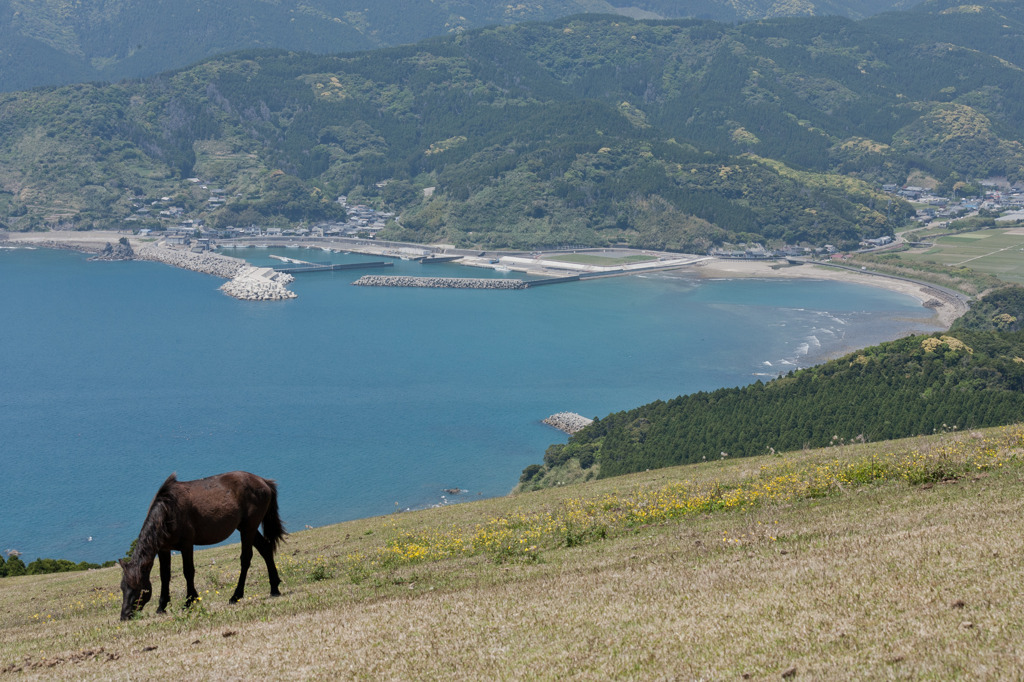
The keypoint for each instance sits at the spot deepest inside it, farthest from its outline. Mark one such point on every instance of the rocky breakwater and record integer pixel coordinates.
(570, 422)
(259, 284)
(438, 282)
(246, 282)
(207, 261)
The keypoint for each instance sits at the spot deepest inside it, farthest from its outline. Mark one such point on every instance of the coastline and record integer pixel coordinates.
(244, 282)
(946, 305)
(947, 308)
(320, 369)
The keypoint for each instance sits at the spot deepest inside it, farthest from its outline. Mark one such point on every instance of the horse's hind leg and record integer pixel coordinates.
(267, 552)
(246, 559)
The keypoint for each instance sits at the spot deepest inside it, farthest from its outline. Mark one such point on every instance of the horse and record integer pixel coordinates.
(201, 512)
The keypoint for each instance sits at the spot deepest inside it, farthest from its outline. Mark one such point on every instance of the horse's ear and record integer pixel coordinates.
(122, 563)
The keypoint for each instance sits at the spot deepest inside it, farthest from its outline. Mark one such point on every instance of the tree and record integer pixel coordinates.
(15, 566)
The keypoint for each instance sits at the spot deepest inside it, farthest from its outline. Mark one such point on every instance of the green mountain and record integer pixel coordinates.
(589, 130)
(51, 42)
(970, 378)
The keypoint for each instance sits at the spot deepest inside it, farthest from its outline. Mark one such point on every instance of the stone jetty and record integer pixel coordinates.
(438, 282)
(246, 282)
(208, 262)
(570, 422)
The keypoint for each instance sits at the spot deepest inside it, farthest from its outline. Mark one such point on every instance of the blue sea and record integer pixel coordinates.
(359, 401)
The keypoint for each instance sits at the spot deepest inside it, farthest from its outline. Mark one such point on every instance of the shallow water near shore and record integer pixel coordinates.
(114, 375)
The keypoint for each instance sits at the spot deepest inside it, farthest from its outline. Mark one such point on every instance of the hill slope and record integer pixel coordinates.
(51, 42)
(886, 560)
(965, 379)
(678, 135)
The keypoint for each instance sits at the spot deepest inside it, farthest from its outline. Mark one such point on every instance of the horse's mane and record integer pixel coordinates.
(159, 526)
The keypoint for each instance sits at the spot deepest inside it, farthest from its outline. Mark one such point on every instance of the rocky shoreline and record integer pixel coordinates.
(121, 251)
(569, 422)
(438, 282)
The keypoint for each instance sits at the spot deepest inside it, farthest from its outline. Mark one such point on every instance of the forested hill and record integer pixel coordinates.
(590, 130)
(916, 385)
(52, 42)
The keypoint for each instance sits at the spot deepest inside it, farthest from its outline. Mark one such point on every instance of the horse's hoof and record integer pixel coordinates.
(233, 600)
(275, 593)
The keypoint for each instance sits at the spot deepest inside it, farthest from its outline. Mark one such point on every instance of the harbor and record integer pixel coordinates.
(545, 267)
(557, 265)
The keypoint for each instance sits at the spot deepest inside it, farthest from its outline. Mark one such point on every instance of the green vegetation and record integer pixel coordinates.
(14, 566)
(971, 377)
(591, 131)
(999, 310)
(50, 42)
(718, 571)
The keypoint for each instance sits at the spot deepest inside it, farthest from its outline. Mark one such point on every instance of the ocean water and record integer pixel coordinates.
(357, 400)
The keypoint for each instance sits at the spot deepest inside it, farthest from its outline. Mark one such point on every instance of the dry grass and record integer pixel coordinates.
(861, 580)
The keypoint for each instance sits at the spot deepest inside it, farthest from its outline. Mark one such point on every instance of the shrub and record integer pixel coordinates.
(529, 473)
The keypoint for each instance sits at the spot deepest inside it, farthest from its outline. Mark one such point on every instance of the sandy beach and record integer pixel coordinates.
(947, 307)
(92, 239)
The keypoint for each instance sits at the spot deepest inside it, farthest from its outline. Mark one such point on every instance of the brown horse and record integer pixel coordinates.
(203, 512)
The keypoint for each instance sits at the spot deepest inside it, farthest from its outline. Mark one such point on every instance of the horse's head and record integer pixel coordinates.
(136, 589)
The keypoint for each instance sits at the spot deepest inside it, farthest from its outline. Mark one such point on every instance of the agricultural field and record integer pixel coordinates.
(998, 252)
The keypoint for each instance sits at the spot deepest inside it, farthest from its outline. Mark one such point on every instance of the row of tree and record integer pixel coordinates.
(13, 566)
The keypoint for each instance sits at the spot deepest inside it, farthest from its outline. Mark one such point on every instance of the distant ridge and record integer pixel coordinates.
(53, 42)
(589, 131)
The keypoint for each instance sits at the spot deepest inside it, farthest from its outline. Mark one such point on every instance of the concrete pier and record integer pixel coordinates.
(438, 282)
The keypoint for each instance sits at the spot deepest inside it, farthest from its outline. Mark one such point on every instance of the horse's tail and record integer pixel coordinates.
(273, 529)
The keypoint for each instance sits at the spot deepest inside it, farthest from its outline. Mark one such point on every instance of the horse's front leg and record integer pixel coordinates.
(246, 558)
(165, 580)
(188, 567)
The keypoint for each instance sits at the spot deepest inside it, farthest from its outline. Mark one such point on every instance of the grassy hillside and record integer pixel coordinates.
(50, 42)
(889, 560)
